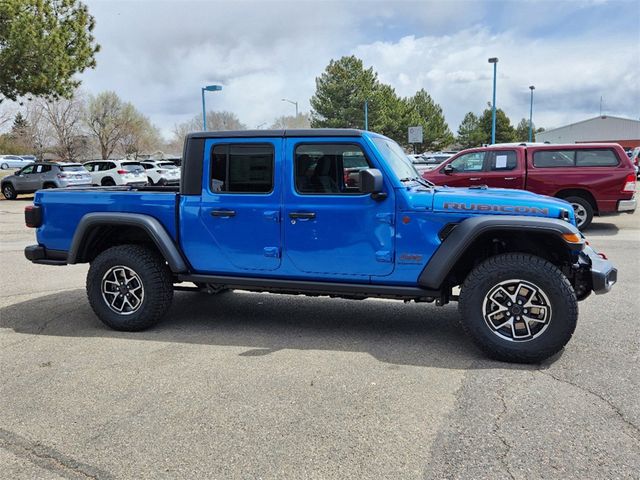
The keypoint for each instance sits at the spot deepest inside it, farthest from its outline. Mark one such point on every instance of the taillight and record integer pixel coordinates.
(32, 216)
(630, 183)
(122, 172)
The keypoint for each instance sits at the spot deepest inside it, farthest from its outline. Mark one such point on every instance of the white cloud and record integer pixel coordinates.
(158, 55)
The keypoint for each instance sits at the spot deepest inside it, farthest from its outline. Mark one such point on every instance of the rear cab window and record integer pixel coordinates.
(596, 157)
(242, 168)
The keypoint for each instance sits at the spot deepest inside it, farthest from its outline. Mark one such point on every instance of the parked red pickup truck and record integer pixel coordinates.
(596, 178)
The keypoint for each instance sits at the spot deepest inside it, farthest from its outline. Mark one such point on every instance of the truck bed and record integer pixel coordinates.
(62, 209)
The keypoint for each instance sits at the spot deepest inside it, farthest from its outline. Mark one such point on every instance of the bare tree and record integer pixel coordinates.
(40, 131)
(6, 114)
(301, 121)
(216, 121)
(64, 117)
(107, 118)
(139, 135)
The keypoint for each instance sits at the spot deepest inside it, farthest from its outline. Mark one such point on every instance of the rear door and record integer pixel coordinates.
(238, 224)
(503, 169)
(331, 229)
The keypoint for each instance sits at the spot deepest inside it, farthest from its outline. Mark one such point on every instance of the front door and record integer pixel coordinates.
(238, 218)
(467, 171)
(331, 229)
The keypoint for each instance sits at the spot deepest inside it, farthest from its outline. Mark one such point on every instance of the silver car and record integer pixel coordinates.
(15, 161)
(45, 175)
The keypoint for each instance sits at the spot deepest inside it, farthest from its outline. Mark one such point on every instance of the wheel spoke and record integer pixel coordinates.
(122, 290)
(516, 310)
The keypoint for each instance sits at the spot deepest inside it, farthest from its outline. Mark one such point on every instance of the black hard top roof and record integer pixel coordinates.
(303, 132)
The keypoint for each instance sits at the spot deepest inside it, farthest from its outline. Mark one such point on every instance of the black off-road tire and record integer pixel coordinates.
(583, 205)
(537, 272)
(156, 280)
(9, 192)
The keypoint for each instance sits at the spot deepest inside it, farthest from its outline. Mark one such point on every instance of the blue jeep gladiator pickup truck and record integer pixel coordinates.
(339, 213)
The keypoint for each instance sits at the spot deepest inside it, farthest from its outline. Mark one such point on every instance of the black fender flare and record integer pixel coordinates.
(466, 232)
(149, 224)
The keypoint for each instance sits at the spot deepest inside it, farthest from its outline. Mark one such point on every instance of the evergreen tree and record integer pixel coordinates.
(504, 130)
(469, 132)
(43, 45)
(423, 111)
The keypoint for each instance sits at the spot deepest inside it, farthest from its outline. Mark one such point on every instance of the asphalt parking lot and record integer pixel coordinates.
(251, 386)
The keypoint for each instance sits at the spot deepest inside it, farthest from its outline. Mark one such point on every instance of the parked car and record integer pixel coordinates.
(116, 172)
(635, 159)
(276, 213)
(161, 172)
(14, 161)
(44, 175)
(596, 178)
(422, 162)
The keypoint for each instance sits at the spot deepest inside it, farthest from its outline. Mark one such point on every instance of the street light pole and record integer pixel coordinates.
(532, 88)
(493, 60)
(292, 103)
(208, 88)
(366, 115)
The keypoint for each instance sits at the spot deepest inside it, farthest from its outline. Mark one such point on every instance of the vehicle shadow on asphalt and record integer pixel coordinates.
(392, 332)
(601, 228)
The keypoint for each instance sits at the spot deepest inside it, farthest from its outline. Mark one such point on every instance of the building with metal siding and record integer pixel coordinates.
(624, 131)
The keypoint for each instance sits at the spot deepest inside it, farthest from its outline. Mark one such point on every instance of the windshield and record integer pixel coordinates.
(167, 165)
(396, 158)
(73, 168)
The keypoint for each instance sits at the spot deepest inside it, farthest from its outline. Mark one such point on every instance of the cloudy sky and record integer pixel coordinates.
(157, 54)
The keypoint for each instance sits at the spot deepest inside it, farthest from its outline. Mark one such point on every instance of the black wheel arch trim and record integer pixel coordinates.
(466, 232)
(150, 225)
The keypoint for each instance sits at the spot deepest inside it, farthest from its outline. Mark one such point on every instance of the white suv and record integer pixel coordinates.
(116, 172)
(161, 172)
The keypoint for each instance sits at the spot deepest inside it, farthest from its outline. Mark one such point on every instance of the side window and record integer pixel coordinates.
(89, 166)
(554, 158)
(469, 162)
(502, 161)
(242, 168)
(46, 168)
(596, 158)
(27, 170)
(329, 168)
(38, 169)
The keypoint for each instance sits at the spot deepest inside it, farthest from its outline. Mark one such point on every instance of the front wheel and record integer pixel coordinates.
(9, 192)
(129, 287)
(4, 166)
(518, 308)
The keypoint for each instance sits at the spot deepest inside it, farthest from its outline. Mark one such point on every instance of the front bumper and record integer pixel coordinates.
(627, 205)
(603, 274)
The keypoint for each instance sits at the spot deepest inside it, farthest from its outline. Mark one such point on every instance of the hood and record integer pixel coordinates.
(500, 201)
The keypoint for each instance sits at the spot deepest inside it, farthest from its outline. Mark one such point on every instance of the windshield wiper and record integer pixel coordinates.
(420, 180)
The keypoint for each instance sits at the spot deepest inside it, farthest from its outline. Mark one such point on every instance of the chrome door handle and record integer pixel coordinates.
(509, 178)
(475, 178)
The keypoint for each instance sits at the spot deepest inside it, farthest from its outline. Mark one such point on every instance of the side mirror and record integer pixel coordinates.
(370, 181)
(448, 169)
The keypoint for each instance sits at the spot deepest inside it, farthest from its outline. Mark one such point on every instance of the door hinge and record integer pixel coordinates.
(385, 256)
(385, 218)
(273, 215)
(273, 252)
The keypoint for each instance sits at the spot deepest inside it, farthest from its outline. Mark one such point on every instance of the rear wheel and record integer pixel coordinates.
(518, 308)
(108, 182)
(49, 185)
(129, 287)
(4, 166)
(9, 192)
(583, 211)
